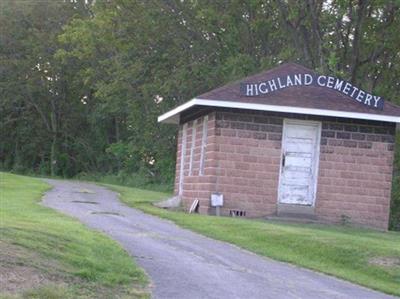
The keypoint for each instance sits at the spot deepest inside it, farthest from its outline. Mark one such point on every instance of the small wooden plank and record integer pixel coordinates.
(194, 205)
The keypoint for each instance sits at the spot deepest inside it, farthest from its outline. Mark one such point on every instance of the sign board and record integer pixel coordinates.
(282, 82)
(217, 199)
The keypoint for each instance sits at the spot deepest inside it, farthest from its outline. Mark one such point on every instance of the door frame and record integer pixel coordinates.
(317, 148)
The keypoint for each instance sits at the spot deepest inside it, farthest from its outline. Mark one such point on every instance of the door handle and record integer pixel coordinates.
(283, 160)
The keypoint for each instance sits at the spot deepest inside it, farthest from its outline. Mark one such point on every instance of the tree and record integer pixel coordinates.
(35, 95)
(81, 90)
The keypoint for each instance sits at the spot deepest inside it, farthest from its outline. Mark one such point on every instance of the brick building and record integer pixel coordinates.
(288, 142)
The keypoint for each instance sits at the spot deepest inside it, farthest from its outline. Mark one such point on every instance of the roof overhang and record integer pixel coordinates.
(173, 116)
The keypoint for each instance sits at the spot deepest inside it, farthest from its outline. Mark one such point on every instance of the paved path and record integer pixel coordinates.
(183, 264)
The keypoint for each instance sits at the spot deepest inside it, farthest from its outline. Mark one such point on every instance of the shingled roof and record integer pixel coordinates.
(312, 99)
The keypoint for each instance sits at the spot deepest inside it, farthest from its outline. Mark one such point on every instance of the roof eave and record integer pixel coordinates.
(173, 116)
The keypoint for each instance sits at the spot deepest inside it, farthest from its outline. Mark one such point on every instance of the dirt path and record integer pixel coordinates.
(183, 264)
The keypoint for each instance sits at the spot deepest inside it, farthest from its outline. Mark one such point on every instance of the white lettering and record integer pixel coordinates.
(338, 86)
(280, 84)
(249, 89)
(360, 96)
(376, 99)
(289, 81)
(329, 84)
(354, 91)
(256, 89)
(272, 86)
(346, 88)
(368, 99)
(297, 79)
(308, 79)
(319, 80)
(264, 90)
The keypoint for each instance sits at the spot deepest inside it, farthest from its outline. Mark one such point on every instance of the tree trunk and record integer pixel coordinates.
(117, 134)
(117, 139)
(53, 155)
(17, 161)
(355, 59)
(54, 133)
(315, 12)
(297, 31)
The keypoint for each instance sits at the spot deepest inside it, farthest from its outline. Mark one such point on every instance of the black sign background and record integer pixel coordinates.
(265, 87)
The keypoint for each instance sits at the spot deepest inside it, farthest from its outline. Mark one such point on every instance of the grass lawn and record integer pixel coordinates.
(45, 254)
(365, 257)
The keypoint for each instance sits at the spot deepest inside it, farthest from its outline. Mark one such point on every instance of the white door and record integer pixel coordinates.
(299, 164)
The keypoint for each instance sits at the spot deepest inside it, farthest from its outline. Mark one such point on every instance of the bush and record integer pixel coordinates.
(136, 180)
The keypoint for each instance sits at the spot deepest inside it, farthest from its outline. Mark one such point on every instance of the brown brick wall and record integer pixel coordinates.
(355, 176)
(197, 185)
(249, 151)
(243, 155)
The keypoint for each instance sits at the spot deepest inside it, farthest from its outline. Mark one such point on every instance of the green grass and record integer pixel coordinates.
(365, 257)
(84, 263)
(77, 261)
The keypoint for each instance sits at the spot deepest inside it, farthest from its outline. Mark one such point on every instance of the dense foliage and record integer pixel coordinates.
(82, 82)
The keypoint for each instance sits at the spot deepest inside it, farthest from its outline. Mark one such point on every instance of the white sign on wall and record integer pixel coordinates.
(217, 199)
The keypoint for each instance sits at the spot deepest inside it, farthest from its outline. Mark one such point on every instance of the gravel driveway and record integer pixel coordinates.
(183, 264)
